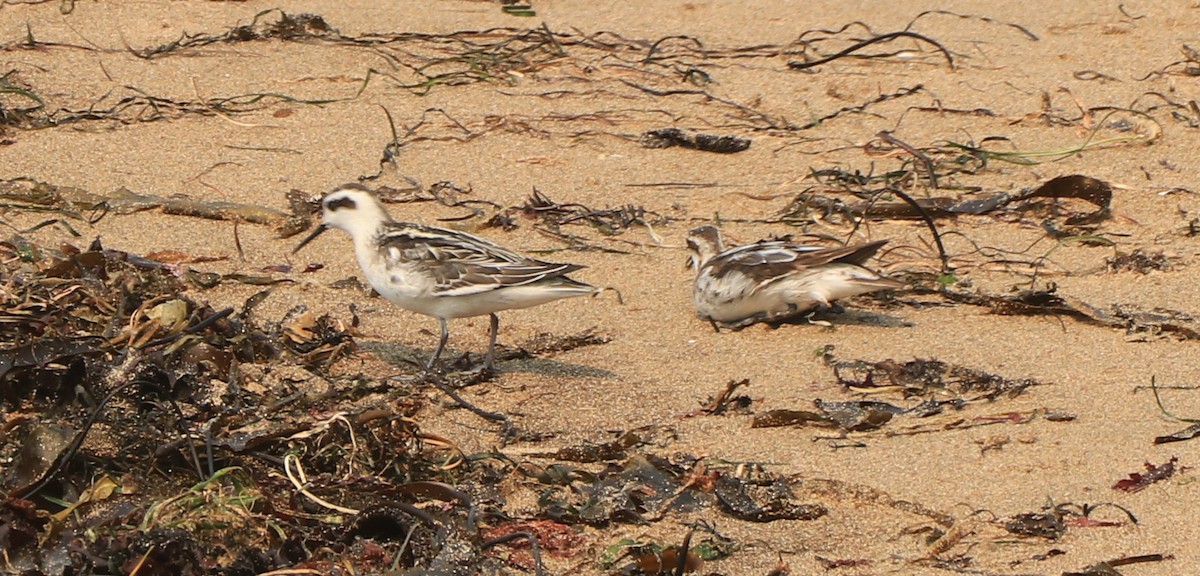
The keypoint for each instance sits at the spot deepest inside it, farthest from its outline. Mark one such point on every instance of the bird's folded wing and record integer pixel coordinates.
(462, 264)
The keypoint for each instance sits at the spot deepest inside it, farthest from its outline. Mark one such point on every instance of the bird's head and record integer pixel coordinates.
(352, 208)
(704, 243)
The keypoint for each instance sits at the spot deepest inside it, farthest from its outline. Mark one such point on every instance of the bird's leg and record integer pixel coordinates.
(822, 305)
(489, 362)
(437, 352)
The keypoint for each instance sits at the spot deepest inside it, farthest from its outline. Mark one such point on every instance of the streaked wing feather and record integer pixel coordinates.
(765, 262)
(462, 263)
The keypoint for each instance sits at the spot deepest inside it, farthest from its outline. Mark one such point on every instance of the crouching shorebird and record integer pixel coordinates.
(438, 272)
(773, 280)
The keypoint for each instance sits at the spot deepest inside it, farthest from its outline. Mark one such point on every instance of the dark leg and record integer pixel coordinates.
(489, 362)
(437, 352)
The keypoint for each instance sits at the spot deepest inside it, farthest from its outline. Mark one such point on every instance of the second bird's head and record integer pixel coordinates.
(704, 243)
(350, 207)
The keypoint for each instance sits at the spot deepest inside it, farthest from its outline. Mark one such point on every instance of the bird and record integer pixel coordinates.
(439, 272)
(773, 280)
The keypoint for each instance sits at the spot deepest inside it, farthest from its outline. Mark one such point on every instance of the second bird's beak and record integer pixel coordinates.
(317, 232)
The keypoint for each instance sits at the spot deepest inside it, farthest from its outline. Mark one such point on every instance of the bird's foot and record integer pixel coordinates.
(478, 374)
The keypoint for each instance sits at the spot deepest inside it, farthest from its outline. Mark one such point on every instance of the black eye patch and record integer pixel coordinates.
(335, 205)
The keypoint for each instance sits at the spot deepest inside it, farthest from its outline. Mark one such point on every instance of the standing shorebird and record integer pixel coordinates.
(772, 280)
(438, 272)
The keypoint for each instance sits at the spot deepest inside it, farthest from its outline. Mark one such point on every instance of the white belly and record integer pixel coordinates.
(407, 287)
(735, 297)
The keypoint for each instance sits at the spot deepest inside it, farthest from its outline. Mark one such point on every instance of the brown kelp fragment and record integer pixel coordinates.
(921, 376)
(557, 539)
(1137, 481)
(652, 557)
(43, 445)
(1109, 567)
(29, 194)
(615, 449)
(629, 493)
(786, 417)
(668, 137)
(1048, 525)
(1092, 191)
(1136, 321)
(1186, 434)
(609, 221)
(1139, 261)
(318, 340)
(831, 564)
(667, 561)
(850, 416)
(763, 503)
(725, 401)
(796, 65)
(289, 27)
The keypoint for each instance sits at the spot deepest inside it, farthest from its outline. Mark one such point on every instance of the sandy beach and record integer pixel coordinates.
(460, 111)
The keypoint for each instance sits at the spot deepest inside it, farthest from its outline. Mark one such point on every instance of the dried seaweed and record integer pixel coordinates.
(668, 137)
(1139, 261)
(1188, 433)
(1053, 521)
(608, 222)
(1048, 525)
(33, 195)
(288, 27)
(1109, 567)
(151, 349)
(651, 557)
(920, 377)
(864, 43)
(763, 502)
(1137, 322)
(725, 402)
(1095, 192)
(945, 387)
(1138, 481)
(131, 105)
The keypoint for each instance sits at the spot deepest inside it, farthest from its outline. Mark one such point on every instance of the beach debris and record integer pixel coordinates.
(1048, 525)
(850, 416)
(668, 137)
(608, 221)
(923, 376)
(1092, 191)
(1139, 261)
(614, 449)
(1138, 322)
(1109, 567)
(652, 557)
(1138, 481)
(725, 402)
(33, 195)
(1186, 434)
(554, 538)
(944, 386)
(762, 501)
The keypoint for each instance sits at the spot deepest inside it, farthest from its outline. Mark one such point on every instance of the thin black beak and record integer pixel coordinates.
(317, 232)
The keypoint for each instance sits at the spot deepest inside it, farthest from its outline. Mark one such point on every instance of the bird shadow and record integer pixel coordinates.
(830, 317)
(507, 360)
(856, 317)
